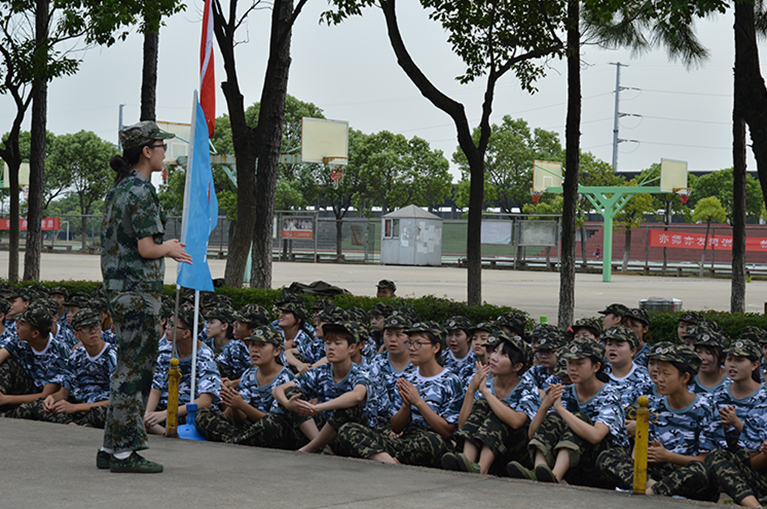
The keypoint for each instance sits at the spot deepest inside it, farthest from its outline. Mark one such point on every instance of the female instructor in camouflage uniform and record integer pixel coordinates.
(132, 265)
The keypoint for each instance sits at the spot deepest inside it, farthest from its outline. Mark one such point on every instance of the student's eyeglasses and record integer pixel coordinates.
(415, 345)
(163, 145)
(90, 329)
(169, 325)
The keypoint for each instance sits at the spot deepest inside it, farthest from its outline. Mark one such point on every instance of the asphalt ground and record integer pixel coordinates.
(53, 466)
(532, 291)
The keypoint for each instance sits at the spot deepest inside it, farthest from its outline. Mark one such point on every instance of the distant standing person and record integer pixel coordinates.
(132, 265)
(385, 288)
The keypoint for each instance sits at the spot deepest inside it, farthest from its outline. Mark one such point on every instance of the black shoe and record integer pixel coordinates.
(450, 462)
(545, 474)
(102, 459)
(134, 464)
(517, 471)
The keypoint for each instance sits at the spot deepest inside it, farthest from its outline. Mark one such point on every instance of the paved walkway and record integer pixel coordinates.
(534, 292)
(53, 466)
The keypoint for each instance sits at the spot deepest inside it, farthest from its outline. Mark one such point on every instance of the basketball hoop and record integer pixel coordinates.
(336, 174)
(684, 193)
(536, 195)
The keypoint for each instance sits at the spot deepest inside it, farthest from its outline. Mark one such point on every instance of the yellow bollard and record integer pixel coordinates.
(642, 415)
(174, 377)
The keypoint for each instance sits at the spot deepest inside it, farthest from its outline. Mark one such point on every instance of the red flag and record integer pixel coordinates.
(207, 78)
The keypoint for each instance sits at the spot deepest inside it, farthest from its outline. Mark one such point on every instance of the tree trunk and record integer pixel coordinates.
(270, 122)
(548, 258)
(12, 158)
(572, 166)
(339, 239)
(37, 144)
(149, 68)
(738, 285)
(583, 246)
(705, 245)
(626, 251)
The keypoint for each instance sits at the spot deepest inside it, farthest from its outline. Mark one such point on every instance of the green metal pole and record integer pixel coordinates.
(607, 245)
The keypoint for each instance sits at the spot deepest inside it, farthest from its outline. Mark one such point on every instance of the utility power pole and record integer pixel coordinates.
(618, 114)
(120, 128)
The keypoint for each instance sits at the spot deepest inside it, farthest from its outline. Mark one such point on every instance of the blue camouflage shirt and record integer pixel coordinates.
(689, 431)
(640, 358)
(697, 388)
(46, 367)
(539, 374)
(752, 410)
(605, 407)
(207, 378)
(443, 393)
(258, 396)
(66, 337)
(451, 363)
(524, 397)
(633, 385)
(383, 384)
(108, 336)
(6, 336)
(310, 346)
(319, 383)
(235, 358)
(87, 378)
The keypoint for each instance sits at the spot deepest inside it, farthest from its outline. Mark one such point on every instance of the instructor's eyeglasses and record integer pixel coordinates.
(163, 145)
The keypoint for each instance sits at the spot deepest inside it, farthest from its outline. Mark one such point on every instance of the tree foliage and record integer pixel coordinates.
(720, 184)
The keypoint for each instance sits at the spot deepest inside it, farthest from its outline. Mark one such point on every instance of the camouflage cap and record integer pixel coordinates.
(491, 327)
(615, 309)
(515, 341)
(542, 330)
(39, 290)
(26, 294)
(320, 304)
(703, 336)
(580, 348)
(406, 312)
(362, 330)
(588, 323)
(346, 326)
(332, 313)
(358, 315)
(710, 325)
(639, 314)
(458, 322)
(396, 322)
(433, 327)
(550, 340)
(59, 290)
(514, 321)
(85, 316)
(691, 317)
(223, 314)
(52, 305)
(296, 309)
(381, 309)
(165, 310)
(38, 316)
(680, 355)
(621, 333)
(388, 284)
(658, 349)
(4, 305)
(266, 334)
(253, 314)
(744, 348)
(99, 304)
(288, 297)
(560, 368)
(754, 334)
(143, 133)
(78, 300)
(5, 289)
(186, 315)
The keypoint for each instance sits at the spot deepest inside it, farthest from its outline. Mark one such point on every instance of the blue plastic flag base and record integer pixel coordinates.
(189, 431)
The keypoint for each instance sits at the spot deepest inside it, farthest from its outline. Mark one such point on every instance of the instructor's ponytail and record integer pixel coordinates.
(122, 164)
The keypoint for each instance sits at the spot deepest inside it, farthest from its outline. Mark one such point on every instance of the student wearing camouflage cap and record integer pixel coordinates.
(62, 334)
(631, 380)
(544, 329)
(587, 328)
(513, 324)
(292, 323)
(378, 314)
(710, 346)
(20, 300)
(60, 295)
(613, 315)
(84, 393)
(6, 333)
(545, 351)
(458, 354)
(587, 420)
(207, 382)
(479, 335)
(219, 328)
(32, 364)
(686, 320)
(493, 425)
(234, 359)
(758, 336)
(685, 431)
(101, 305)
(639, 321)
(245, 407)
(385, 289)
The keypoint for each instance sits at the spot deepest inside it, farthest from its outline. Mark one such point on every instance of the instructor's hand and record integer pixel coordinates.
(177, 252)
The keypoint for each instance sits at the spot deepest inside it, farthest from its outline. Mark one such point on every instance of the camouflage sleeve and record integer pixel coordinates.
(160, 378)
(453, 400)
(209, 379)
(361, 377)
(69, 376)
(246, 382)
(145, 212)
(309, 383)
(527, 398)
(711, 432)
(754, 431)
(58, 369)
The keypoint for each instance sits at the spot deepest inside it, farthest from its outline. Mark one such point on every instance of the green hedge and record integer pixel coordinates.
(663, 325)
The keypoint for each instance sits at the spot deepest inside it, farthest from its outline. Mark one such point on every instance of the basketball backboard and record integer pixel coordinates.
(546, 174)
(673, 175)
(23, 176)
(324, 141)
(178, 146)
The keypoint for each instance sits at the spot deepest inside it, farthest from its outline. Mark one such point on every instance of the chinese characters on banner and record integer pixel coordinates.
(686, 240)
(48, 223)
(297, 228)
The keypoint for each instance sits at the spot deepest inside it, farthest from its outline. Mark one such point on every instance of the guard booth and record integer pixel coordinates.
(411, 236)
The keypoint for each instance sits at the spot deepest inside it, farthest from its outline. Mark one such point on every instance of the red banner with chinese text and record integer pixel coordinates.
(48, 223)
(686, 240)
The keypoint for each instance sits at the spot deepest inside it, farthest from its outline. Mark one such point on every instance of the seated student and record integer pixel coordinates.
(478, 340)
(101, 306)
(340, 388)
(366, 348)
(60, 295)
(234, 359)
(428, 403)
(6, 333)
(292, 323)
(61, 334)
(575, 424)
(165, 343)
(710, 346)
(378, 313)
(746, 397)
(687, 320)
(549, 341)
(84, 394)
(685, 431)
(218, 328)
(19, 301)
(33, 364)
(545, 330)
(759, 337)
(246, 406)
(587, 328)
(385, 289)
(493, 424)
(614, 314)
(393, 364)
(458, 354)
(639, 321)
(513, 324)
(631, 380)
(75, 303)
(207, 381)
(653, 395)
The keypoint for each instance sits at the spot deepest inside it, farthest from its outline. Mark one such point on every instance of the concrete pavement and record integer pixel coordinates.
(53, 466)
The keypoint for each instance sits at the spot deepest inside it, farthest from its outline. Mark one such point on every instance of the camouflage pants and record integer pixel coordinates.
(690, 481)
(273, 430)
(734, 475)
(93, 418)
(14, 380)
(483, 427)
(416, 445)
(136, 317)
(555, 435)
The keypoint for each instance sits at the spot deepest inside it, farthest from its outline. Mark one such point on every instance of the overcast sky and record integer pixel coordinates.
(350, 72)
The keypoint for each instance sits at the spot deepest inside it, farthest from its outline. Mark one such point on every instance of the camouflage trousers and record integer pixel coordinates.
(483, 427)
(136, 317)
(555, 435)
(14, 380)
(93, 418)
(734, 475)
(273, 430)
(690, 481)
(415, 446)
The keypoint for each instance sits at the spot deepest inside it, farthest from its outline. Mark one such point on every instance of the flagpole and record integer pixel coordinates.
(194, 345)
